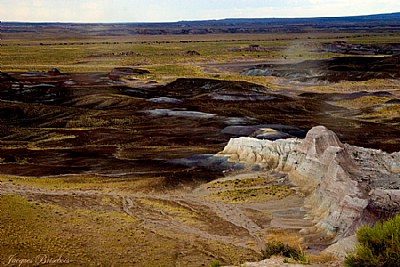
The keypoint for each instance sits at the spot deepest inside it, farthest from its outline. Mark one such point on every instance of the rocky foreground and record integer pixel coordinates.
(345, 186)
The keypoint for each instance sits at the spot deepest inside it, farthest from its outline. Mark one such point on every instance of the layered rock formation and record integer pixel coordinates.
(345, 185)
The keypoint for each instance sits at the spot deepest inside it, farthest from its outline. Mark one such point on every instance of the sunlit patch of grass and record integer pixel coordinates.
(86, 182)
(392, 110)
(85, 237)
(92, 235)
(88, 121)
(93, 55)
(24, 230)
(235, 255)
(48, 140)
(176, 211)
(384, 112)
(238, 183)
(38, 141)
(361, 102)
(244, 195)
(166, 58)
(322, 258)
(291, 238)
(356, 86)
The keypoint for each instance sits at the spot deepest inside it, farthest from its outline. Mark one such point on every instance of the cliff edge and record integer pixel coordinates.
(346, 186)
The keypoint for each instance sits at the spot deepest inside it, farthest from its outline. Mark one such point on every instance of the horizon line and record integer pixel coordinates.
(195, 20)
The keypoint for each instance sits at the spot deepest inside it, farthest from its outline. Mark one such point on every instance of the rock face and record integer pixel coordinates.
(345, 186)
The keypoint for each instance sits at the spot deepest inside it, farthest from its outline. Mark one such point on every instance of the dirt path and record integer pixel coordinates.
(184, 215)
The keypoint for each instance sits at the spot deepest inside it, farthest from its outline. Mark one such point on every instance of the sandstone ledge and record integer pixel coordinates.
(346, 186)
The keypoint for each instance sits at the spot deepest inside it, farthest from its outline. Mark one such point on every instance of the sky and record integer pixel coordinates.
(177, 10)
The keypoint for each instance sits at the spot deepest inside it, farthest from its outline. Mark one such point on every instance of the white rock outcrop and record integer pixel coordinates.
(346, 186)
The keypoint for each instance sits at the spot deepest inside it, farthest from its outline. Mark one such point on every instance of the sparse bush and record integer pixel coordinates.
(378, 246)
(281, 249)
(215, 264)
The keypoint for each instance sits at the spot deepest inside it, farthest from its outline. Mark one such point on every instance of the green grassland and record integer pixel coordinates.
(165, 55)
(80, 219)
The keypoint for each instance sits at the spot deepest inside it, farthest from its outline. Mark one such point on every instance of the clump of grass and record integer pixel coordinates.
(215, 264)
(239, 183)
(86, 182)
(392, 110)
(178, 212)
(381, 114)
(281, 249)
(293, 239)
(378, 246)
(322, 258)
(361, 102)
(244, 195)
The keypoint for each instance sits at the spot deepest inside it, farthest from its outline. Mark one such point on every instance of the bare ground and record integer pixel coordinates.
(229, 231)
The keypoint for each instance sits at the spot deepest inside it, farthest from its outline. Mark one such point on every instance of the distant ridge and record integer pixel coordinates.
(366, 24)
(350, 19)
(354, 19)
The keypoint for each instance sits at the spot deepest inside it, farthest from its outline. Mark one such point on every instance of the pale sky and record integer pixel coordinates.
(176, 10)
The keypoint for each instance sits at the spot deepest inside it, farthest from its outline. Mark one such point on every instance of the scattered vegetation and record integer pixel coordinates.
(87, 234)
(166, 56)
(322, 258)
(378, 246)
(87, 122)
(239, 183)
(392, 111)
(284, 250)
(215, 264)
(281, 242)
(86, 182)
(293, 239)
(361, 102)
(168, 208)
(242, 195)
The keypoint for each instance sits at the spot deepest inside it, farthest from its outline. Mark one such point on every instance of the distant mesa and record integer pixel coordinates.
(54, 72)
(119, 72)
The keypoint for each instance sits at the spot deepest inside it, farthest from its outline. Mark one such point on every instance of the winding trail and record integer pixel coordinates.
(190, 213)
